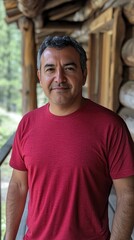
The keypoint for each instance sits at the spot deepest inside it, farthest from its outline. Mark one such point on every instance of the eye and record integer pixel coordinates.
(69, 68)
(49, 69)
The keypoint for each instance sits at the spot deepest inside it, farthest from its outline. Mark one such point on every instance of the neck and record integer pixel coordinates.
(63, 110)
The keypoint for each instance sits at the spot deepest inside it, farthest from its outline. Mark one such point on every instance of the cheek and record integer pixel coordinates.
(45, 83)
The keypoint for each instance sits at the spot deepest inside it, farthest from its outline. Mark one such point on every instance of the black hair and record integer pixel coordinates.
(61, 42)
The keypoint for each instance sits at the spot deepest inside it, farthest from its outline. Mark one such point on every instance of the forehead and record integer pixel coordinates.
(65, 54)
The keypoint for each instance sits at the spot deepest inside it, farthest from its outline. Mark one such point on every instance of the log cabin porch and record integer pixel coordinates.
(106, 31)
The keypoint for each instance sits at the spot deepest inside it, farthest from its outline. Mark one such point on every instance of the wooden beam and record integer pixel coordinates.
(56, 28)
(12, 12)
(103, 21)
(64, 10)
(13, 18)
(60, 26)
(10, 4)
(29, 98)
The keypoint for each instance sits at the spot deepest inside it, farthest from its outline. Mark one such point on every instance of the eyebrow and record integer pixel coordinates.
(66, 64)
(48, 65)
(71, 63)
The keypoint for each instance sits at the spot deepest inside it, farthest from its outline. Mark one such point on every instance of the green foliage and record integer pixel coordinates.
(10, 64)
(10, 85)
(8, 125)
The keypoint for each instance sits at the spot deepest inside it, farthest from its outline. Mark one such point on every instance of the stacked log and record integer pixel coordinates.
(31, 8)
(126, 92)
(128, 52)
(129, 11)
(128, 116)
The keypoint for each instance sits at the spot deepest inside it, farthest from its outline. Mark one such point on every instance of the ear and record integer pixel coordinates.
(84, 77)
(39, 76)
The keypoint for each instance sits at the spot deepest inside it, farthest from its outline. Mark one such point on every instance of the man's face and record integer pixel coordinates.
(61, 77)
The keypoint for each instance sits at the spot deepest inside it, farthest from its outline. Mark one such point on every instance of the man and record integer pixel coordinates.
(67, 154)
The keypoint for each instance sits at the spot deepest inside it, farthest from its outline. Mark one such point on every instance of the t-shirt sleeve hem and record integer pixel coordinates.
(122, 175)
(17, 167)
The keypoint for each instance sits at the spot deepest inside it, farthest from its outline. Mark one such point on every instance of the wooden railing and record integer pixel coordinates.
(4, 151)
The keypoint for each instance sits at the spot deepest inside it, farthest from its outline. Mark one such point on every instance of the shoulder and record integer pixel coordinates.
(34, 113)
(31, 118)
(103, 114)
(106, 122)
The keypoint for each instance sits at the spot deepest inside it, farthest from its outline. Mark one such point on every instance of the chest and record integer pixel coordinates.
(63, 145)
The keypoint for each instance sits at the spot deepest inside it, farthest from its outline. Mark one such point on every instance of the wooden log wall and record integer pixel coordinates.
(113, 87)
(126, 91)
(107, 33)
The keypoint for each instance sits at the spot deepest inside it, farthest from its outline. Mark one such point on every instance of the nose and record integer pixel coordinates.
(60, 76)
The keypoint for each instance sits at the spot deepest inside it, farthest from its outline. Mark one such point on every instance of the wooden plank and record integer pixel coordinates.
(92, 81)
(116, 63)
(101, 21)
(105, 70)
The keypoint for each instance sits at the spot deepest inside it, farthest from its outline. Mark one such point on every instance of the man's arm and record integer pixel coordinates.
(16, 197)
(123, 222)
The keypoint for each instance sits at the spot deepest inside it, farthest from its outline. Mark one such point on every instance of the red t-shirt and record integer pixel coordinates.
(71, 161)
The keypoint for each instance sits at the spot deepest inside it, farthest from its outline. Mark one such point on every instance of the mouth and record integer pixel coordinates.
(59, 88)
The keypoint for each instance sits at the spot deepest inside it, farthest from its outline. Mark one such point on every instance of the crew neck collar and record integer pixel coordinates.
(71, 115)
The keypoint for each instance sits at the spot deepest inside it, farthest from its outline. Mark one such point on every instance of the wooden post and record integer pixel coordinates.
(104, 97)
(29, 80)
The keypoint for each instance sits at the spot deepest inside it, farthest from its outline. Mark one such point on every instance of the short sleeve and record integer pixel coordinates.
(121, 152)
(16, 160)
